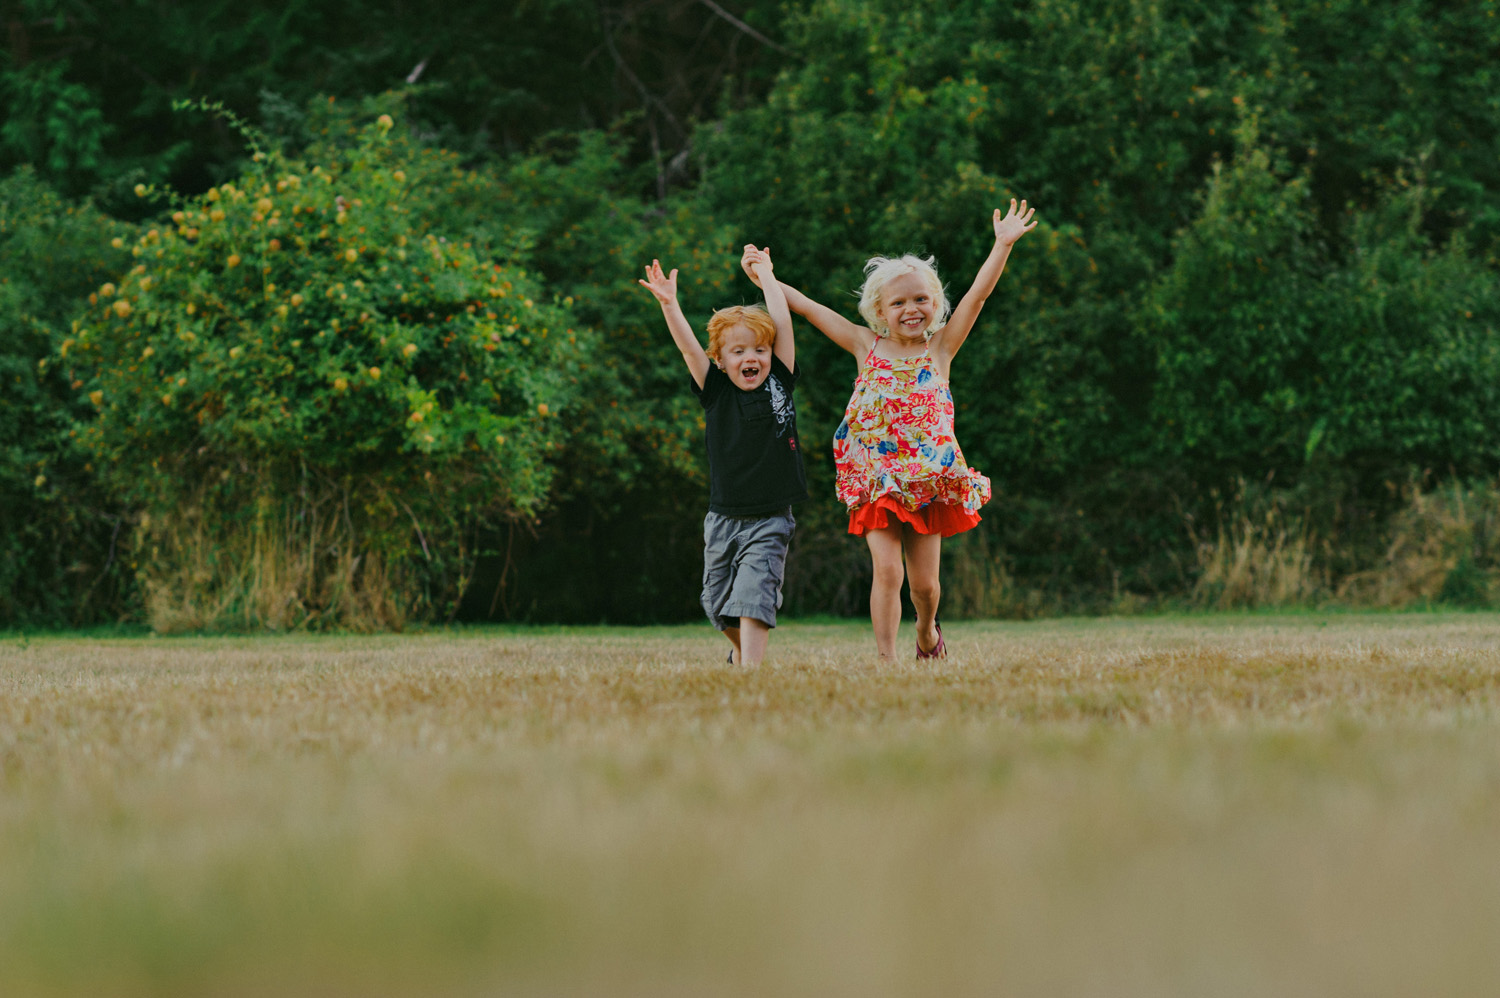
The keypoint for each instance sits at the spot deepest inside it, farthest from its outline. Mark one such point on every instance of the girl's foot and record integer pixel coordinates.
(939, 650)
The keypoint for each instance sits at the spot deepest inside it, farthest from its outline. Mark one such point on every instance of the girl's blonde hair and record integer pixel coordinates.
(879, 270)
(753, 317)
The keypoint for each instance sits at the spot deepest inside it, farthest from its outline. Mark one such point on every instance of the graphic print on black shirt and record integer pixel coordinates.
(754, 460)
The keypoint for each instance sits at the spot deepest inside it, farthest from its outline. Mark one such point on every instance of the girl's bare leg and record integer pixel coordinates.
(754, 634)
(885, 588)
(733, 634)
(923, 556)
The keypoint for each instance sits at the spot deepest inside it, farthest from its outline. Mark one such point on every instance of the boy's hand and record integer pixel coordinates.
(663, 286)
(1015, 224)
(749, 258)
(758, 258)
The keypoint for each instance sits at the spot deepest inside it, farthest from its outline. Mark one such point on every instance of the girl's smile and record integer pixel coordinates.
(907, 305)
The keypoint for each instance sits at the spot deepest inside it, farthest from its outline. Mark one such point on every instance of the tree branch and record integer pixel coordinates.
(742, 26)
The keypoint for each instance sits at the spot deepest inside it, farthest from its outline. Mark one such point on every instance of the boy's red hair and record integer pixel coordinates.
(753, 317)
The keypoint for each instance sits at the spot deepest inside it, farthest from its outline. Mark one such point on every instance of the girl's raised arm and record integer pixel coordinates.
(1015, 224)
(664, 287)
(785, 347)
(851, 336)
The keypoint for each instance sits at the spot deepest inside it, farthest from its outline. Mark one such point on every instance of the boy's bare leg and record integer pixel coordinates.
(923, 557)
(754, 635)
(733, 634)
(885, 587)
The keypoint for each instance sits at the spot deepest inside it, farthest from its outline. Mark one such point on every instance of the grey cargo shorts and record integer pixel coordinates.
(744, 561)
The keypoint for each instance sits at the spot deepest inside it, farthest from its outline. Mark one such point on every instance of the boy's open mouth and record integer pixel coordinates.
(750, 372)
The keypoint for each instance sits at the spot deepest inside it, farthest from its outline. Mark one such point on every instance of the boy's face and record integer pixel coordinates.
(746, 363)
(907, 305)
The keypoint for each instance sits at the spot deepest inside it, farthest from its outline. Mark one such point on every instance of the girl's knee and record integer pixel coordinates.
(889, 574)
(925, 591)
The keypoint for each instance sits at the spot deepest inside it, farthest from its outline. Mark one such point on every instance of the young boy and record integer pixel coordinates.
(744, 381)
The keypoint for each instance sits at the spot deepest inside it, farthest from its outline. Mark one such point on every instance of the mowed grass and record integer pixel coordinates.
(1201, 806)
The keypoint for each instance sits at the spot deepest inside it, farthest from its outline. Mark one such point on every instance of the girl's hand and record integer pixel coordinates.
(750, 257)
(663, 286)
(1015, 224)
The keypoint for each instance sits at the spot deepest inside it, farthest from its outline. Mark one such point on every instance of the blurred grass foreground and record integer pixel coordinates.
(1294, 805)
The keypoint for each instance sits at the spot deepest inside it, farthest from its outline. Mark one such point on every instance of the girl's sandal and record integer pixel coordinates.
(939, 650)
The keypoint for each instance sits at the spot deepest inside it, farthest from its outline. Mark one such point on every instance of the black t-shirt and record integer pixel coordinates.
(754, 459)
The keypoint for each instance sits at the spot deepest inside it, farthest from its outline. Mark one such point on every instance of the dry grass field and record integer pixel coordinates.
(1180, 806)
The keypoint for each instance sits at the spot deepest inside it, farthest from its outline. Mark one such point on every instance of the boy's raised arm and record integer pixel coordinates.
(785, 347)
(664, 288)
(851, 336)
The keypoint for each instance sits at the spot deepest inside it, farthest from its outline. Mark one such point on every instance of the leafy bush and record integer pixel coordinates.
(317, 400)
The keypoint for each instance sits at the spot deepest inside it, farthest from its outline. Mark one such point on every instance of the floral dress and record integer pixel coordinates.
(896, 454)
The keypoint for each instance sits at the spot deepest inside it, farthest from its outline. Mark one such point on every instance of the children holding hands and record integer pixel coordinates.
(744, 380)
(900, 472)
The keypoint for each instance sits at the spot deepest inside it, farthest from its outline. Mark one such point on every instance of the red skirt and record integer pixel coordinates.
(935, 518)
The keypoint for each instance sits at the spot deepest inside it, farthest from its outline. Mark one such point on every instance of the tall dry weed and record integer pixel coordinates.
(1444, 546)
(1257, 561)
(285, 563)
(978, 584)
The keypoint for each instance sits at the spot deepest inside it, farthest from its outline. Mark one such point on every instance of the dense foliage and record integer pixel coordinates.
(57, 527)
(298, 357)
(1266, 279)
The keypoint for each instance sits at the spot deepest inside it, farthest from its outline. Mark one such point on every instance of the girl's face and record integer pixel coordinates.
(907, 305)
(746, 363)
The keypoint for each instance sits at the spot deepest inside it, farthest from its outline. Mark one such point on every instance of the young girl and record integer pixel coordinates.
(900, 471)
